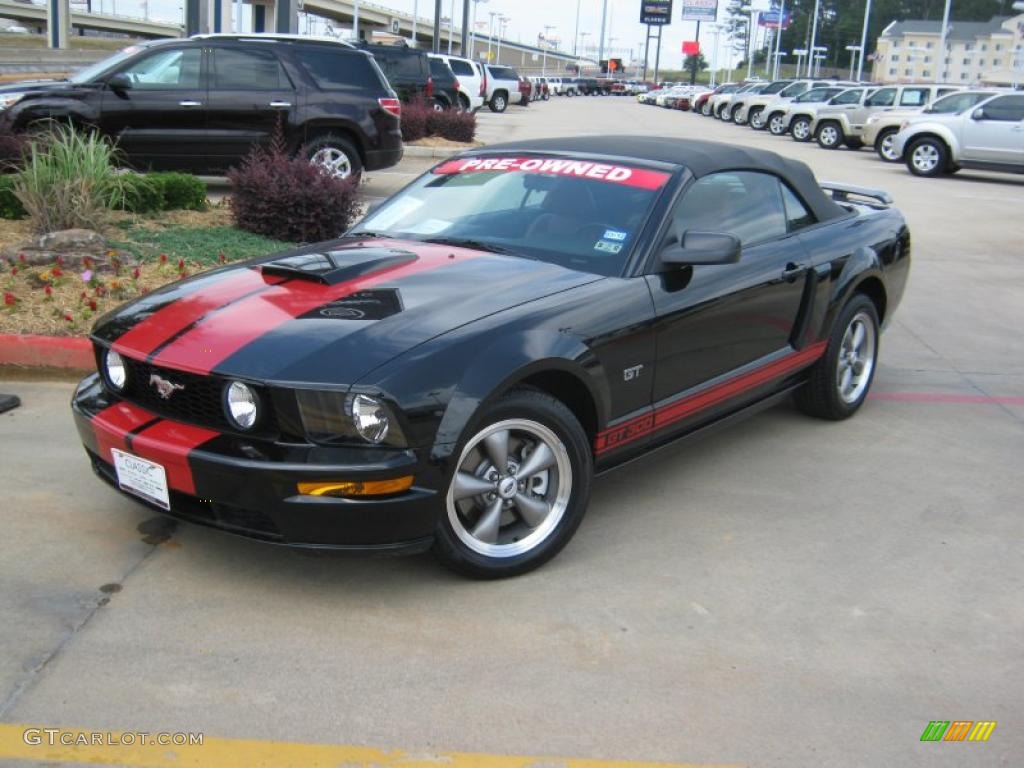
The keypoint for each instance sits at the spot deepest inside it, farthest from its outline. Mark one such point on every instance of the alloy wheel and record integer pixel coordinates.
(801, 130)
(776, 125)
(511, 488)
(887, 148)
(856, 359)
(829, 136)
(333, 161)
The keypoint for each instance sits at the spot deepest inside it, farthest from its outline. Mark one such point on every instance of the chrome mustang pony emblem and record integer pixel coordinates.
(164, 388)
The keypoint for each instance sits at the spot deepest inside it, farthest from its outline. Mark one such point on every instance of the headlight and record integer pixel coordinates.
(10, 99)
(114, 370)
(370, 417)
(333, 417)
(242, 405)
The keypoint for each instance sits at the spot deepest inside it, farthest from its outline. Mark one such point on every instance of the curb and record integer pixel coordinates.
(71, 353)
(432, 152)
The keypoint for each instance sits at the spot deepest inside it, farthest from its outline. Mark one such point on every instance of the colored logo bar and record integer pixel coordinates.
(958, 730)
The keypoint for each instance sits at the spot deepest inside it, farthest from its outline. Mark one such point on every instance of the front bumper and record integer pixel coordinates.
(249, 487)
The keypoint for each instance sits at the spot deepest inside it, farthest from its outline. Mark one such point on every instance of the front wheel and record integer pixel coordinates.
(927, 157)
(800, 130)
(725, 113)
(335, 156)
(839, 382)
(705, 109)
(755, 120)
(885, 145)
(519, 490)
(738, 118)
(830, 136)
(777, 124)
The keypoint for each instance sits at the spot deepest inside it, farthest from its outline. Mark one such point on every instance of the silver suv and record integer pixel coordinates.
(988, 137)
(839, 125)
(882, 128)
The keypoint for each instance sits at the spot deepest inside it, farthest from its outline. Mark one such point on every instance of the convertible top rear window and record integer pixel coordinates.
(579, 213)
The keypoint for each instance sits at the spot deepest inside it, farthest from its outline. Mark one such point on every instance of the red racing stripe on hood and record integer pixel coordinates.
(169, 444)
(146, 336)
(112, 425)
(212, 341)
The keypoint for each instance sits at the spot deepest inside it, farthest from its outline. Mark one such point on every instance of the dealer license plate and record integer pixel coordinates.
(144, 478)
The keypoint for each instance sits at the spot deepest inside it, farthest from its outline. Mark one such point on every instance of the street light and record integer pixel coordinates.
(863, 43)
(799, 53)
(751, 34)
(544, 55)
(818, 55)
(853, 49)
(716, 31)
(814, 38)
(502, 21)
(472, 39)
(940, 71)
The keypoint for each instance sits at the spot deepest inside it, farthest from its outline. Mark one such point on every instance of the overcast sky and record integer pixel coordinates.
(527, 18)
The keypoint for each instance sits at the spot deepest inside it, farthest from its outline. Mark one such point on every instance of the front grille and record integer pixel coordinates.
(200, 401)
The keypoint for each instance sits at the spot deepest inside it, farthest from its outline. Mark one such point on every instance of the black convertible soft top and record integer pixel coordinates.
(700, 157)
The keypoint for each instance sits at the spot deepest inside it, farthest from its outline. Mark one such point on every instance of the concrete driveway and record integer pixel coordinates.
(785, 593)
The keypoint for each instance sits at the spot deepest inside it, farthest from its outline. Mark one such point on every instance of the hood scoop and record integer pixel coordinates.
(335, 267)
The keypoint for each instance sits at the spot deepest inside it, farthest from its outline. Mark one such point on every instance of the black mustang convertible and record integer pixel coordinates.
(453, 371)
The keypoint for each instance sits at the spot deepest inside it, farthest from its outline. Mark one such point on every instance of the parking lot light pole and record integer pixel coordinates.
(751, 34)
(576, 34)
(544, 55)
(853, 49)
(814, 39)
(778, 40)
(604, 18)
(799, 53)
(451, 28)
(941, 71)
(863, 42)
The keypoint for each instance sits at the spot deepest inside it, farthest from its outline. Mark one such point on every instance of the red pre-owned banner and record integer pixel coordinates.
(586, 169)
(691, 47)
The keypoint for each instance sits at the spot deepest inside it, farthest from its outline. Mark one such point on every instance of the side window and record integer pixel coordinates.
(332, 71)
(848, 97)
(461, 67)
(914, 97)
(885, 97)
(166, 70)
(247, 70)
(1005, 108)
(745, 204)
(797, 215)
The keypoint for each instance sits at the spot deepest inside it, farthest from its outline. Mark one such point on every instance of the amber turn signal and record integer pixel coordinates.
(352, 488)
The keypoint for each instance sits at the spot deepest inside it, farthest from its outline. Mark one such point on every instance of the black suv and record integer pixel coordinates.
(446, 85)
(200, 104)
(407, 70)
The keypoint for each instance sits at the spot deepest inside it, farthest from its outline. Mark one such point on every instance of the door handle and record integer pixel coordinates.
(280, 104)
(190, 103)
(793, 271)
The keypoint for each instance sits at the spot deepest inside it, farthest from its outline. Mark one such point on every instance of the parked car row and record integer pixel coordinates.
(933, 129)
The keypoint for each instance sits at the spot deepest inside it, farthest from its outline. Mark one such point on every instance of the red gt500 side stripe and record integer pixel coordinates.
(209, 343)
(663, 416)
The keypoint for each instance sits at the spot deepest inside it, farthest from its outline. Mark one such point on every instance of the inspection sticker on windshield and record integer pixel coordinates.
(640, 178)
(615, 234)
(604, 245)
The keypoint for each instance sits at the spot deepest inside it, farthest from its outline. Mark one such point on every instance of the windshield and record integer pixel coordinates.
(90, 73)
(780, 85)
(816, 94)
(955, 103)
(794, 89)
(580, 214)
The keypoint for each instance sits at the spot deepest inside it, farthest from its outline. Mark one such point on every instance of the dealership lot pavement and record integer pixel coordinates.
(784, 593)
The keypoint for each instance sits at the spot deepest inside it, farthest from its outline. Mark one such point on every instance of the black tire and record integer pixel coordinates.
(800, 129)
(820, 395)
(752, 119)
(450, 542)
(329, 142)
(705, 109)
(725, 114)
(927, 157)
(854, 144)
(883, 145)
(775, 124)
(830, 135)
(498, 102)
(737, 118)
(464, 104)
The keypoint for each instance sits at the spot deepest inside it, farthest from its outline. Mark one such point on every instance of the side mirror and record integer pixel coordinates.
(119, 82)
(978, 114)
(701, 248)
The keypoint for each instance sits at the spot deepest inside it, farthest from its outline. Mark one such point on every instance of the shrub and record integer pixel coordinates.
(10, 205)
(285, 197)
(68, 181)
(181, 191)
(452, 125)
(415, 115)
(140, 194)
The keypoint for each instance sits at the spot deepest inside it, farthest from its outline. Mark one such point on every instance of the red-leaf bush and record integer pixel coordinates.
(285, 197)
(452, 125)
(414, 119)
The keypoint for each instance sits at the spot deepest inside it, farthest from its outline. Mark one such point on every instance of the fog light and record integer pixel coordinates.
(242, 405)
(354, 488)
(115, 370)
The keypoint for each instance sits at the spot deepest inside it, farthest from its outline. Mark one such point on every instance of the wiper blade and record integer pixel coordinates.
(366, 234)
(461, 242)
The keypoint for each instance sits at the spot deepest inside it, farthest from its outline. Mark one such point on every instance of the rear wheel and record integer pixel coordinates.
(519, 490)
(335, 156)
(499, 102)
(777, 124)
(800, 130)
(927, 157)
(885, 145)
(830, 135)
(840, 380)
(464, 104)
